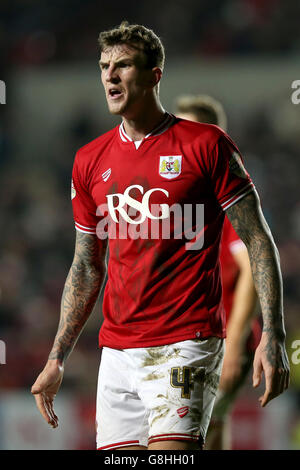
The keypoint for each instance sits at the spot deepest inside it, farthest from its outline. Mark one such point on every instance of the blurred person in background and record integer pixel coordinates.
(163, 318)
(243, 331)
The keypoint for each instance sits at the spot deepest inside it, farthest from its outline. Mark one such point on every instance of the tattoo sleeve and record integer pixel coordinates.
(248, 221)
(81, 290)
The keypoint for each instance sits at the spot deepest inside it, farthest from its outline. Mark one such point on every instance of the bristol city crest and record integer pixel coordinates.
(170, 166)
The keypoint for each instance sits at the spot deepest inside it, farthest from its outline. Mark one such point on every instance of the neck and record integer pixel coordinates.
(144, 121)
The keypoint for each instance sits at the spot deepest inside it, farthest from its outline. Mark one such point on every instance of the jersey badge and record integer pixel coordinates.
(170, 166)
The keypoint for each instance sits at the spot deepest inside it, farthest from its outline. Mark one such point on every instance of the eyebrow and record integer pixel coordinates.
(125, 59)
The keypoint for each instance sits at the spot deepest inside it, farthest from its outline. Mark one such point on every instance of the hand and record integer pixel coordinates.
(232, 365)
(271, 358)
(45, 389)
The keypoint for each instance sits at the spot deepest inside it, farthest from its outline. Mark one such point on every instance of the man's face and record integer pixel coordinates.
(125, 78)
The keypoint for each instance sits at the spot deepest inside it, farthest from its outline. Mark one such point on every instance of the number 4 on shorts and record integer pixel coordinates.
(181, 378)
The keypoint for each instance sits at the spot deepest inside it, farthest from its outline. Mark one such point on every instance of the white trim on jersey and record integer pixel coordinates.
(83, 226)
(157, 131)
(232, 200)
(123, 135)
(137, 143)
(83, 229)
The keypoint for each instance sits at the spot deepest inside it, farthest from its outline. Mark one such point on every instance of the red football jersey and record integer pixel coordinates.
(231, 243)
(159, 289)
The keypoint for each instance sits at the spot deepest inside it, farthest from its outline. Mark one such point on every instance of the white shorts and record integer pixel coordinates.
(158, 393)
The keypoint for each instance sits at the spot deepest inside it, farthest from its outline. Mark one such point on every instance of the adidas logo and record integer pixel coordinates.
(106, 174)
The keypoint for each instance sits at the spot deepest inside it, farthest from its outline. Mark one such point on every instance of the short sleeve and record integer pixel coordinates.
(230, 180)
(84, 208)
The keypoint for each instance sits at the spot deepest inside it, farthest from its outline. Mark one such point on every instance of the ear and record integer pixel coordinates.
(156, 76)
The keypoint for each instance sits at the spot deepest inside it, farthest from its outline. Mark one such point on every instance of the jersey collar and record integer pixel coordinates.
(167, 122)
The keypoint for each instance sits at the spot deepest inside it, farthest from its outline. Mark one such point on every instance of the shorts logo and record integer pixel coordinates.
(183, 411)
(170, 166)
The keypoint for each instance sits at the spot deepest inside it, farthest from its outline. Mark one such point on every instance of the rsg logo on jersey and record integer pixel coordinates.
(125, 217)
(170, 166)
(142, 207)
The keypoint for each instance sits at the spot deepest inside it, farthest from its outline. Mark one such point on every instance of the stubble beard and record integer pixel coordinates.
(116, 108)
(127, 105)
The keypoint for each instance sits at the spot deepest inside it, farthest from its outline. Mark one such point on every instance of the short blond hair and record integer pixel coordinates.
(205, 108)
(134, 34)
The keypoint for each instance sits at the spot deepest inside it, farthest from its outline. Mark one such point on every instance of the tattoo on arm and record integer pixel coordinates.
(248, 221)
(81, 290)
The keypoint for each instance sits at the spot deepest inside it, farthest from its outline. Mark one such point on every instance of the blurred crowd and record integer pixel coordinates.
(37, 233)
(41, 31)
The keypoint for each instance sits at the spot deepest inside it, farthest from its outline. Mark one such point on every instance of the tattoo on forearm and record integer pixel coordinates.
(249, 223)
(81, 291)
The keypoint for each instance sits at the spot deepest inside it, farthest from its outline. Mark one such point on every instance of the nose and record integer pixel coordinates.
(111, 75)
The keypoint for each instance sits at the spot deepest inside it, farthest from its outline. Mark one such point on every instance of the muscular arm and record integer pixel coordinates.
(248, 221)
(80, 293)
(82, 287)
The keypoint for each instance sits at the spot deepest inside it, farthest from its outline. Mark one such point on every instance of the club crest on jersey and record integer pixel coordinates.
(170, 166)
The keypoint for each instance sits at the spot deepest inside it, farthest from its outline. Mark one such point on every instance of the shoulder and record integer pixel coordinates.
(190, 131)
(92, 150)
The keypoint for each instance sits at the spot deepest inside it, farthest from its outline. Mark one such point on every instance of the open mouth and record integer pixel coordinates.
(114, 93)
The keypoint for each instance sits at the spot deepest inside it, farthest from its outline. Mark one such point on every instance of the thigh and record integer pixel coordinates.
(178, 385)
(121, 417)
